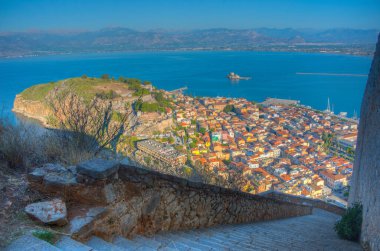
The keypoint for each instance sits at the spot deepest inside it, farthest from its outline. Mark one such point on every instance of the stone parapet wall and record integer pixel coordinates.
(140, 201)
(305, 201)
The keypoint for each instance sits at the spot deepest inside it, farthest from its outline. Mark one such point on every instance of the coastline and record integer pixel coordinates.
(89, 53)
(29, 108)
(24, 109)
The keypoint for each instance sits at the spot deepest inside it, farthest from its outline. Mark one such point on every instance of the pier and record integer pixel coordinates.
(179, 90)
(278, 101)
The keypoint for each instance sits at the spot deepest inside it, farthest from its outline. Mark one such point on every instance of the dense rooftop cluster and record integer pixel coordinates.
(276, 146)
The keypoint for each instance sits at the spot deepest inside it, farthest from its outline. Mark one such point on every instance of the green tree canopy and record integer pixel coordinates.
(229, 108)
(105, 76)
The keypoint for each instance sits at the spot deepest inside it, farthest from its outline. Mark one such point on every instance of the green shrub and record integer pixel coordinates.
(105, 76)
(45, 235)
(229, 108)
(349, 227)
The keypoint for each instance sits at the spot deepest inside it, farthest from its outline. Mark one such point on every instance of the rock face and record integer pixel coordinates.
(365, 186)
(49, 212)
(139, 201)
(31, 109)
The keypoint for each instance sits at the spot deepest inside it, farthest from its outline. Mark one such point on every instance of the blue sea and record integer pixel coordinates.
(273, 74)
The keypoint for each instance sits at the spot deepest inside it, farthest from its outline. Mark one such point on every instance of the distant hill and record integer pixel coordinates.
(123, 39)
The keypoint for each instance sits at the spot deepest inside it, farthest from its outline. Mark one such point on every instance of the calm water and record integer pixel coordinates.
(273, 74)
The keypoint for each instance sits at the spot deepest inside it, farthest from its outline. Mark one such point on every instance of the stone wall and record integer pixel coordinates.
(305, 201)
(140, 201)
(365, 184)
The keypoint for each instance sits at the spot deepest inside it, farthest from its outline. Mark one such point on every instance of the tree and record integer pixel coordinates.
(328, 140)
(192, 144)
(227, 162)
(105, 76)
(202, 130)
(229, 108)
(350, 151)
(171, 140)
(88, 123)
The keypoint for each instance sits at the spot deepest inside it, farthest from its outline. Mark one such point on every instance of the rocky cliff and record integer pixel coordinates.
(365, 186)
(34, 109)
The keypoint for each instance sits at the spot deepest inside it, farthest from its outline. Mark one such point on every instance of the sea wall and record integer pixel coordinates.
(305, 201)
(140, 201)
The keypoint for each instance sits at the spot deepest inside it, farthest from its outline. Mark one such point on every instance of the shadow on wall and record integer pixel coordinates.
(365, 184)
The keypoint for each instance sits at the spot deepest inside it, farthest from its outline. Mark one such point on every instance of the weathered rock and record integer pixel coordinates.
(152, 204)
(98, 168)
(39, 173)
(80, 222)
(49, 212)
(365, 184)
(109, 193)
(59, 179)
(72, 169)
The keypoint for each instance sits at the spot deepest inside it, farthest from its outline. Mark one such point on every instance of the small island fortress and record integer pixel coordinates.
(234, 76)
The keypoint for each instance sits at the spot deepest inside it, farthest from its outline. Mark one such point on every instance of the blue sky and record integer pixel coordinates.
(25, 15)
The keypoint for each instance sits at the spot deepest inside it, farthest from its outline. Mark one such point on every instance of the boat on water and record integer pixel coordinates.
(234, 76)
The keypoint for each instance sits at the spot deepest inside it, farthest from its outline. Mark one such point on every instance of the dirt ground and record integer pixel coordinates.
(14, 196)
(119, 88)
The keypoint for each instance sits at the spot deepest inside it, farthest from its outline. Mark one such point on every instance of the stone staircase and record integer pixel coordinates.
(311, 232)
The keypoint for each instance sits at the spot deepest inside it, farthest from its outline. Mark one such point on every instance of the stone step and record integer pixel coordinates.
(227, 241)
(212, 242)
(311, 232)
(126, 243)
(143, 241)
(102, 245)
(68, 244)
(29, 242)
(192, 243)
(170, 242)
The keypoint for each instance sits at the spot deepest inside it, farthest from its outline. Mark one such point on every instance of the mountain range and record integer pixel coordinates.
(118, 39)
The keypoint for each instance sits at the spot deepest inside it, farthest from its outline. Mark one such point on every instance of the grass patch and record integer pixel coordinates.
(44, 235)
(22, 216)
(84, 87)
(38, 92)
